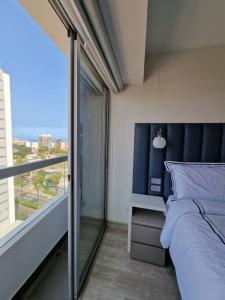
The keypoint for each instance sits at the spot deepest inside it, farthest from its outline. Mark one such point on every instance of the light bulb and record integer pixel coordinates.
(159, 141)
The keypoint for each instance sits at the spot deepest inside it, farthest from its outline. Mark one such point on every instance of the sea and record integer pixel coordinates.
(32, 133)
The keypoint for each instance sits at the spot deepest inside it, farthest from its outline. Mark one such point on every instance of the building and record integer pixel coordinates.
(58, 144)
(34, 146)
(45, 140)
(22, 143)
(64, 146)
(17, 142)
(7, 203)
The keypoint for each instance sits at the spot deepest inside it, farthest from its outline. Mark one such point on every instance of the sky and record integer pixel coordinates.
(38, 75)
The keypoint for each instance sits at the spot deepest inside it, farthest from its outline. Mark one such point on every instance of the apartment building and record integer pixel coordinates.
(7, 203)
(45, 140)
(58, 143)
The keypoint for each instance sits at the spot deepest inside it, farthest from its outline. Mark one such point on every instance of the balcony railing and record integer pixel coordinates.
(27, 190)
(31, 166)
(38, 200)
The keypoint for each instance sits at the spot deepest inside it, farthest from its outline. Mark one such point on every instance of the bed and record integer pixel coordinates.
(194, 230)
(194, 233)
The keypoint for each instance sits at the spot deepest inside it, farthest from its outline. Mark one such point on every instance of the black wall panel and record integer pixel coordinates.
(174, 151)
(141, 158)
(211, 142)
(157, 158)
(192, 142)
(222, 154)
(185, 142)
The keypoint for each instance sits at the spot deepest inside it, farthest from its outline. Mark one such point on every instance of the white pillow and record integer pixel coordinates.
(197, 180)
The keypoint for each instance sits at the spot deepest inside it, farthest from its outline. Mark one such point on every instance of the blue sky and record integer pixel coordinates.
(38, 73)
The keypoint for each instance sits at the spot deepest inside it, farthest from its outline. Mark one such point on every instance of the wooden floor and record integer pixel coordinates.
(117, 277)
(114, 276)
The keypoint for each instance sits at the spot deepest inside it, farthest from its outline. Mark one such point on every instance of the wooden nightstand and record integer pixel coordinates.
(146, 220)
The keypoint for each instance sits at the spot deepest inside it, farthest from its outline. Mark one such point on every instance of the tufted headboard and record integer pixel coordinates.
(189, 142)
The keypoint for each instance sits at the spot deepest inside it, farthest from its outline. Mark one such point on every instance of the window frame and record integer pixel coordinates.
(7, 172)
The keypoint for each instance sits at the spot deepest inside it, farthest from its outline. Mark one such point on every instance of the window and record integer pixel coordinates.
(33, 90)
(33, 118)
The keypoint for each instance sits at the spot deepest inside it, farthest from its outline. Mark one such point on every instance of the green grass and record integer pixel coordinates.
(22, 214)
(50, 192)
(27, 203)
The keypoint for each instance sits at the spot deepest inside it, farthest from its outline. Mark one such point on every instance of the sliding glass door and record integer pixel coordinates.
(93, 113)
(88, 164)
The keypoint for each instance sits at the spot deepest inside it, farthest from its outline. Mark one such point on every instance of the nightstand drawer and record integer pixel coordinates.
(147, 253)
(145, 235)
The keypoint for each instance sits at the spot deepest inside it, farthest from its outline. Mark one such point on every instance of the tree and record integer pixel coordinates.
(20, 160)
(42, 151)
(38, 180)
(58, 151)
(55, 151)
(54, 179)
(21, 151)
(21, 179)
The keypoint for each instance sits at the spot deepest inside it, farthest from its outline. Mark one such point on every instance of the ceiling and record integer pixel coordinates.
(126, 24)
(127, 31)
(137, 28)
(184, 24)
(42, 12)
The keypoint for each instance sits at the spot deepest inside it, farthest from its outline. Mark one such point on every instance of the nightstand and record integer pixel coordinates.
(146, 220)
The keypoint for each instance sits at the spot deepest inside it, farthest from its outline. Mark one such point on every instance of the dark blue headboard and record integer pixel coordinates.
(185, 142)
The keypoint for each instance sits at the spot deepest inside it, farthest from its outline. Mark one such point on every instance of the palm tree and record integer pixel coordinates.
(21, 179)
(54, 179)
(38, 180)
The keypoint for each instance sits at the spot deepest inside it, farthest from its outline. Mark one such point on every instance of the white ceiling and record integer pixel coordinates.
(184, 24)
(126, 23)
(168, 24)
(42, 12)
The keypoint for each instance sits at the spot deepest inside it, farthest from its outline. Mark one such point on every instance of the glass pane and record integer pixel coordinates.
(26, 194)
(92, 160)
(33, 89)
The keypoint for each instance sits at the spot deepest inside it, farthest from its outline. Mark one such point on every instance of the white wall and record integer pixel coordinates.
(9, 148)
(7, 206)
(22, 254)
(185, 86)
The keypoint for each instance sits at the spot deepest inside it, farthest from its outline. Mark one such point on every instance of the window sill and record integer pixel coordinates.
(23, 228)
(27, 245)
